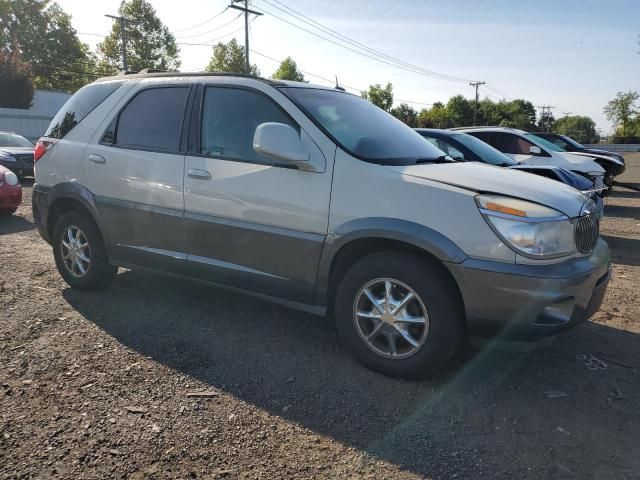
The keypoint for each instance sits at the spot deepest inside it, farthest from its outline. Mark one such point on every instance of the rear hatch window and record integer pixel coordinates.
(79, 106)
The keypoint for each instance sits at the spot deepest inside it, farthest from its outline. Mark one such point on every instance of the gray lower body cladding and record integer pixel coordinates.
(530, 301)
(507, 299)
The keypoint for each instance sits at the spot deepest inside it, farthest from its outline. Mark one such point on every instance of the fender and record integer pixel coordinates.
(46, 197)
(414, 234)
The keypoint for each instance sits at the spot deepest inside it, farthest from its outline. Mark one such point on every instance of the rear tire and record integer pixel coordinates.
(8, 212)
(80, 254)
(400, 347)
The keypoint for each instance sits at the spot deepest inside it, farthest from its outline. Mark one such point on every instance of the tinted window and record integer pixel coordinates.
(230, 117)
(508, 143)
(361, 128)
(79, 106)
(446, 147)
(484, 151)
(153, 119)
(13, 140)
(544, 143)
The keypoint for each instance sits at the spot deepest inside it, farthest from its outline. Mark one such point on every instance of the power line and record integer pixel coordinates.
(212, 30)
(416, 70)
(315, 24)
(330, 81)
(200, 24)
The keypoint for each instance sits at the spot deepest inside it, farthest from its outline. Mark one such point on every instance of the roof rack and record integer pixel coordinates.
(151, 73)
(487, 126)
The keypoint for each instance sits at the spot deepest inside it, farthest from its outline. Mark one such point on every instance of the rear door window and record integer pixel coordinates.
(79, 106)
(152, 120)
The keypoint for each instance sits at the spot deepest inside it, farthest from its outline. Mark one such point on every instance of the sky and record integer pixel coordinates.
(574, 55)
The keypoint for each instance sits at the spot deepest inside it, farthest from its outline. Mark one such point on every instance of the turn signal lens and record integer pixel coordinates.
(494, 207)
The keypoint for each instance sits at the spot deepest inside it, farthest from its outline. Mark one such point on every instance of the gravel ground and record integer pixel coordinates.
(163, 378)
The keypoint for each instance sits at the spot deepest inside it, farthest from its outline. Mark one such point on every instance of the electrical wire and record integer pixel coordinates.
(203, 23)
(358, 47)
(212, 30)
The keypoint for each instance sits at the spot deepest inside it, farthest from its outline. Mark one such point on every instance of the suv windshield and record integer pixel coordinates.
(362, 129)
(486, 152)
(543, 143)
(13, 140)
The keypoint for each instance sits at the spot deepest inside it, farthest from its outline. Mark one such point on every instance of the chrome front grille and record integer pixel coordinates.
(587, 230)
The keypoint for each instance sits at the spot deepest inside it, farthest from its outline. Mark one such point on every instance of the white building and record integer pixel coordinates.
(32, 122)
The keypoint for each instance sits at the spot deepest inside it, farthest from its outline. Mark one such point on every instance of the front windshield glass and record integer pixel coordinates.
(571, 141)
(362, 129)
(541, 142)
(486, 152)
(13, 140)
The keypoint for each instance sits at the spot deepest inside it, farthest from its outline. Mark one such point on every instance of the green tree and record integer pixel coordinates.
(406, 114)
(229, 58)
(622, 109)
(15, 78)
(288, 70)
(578, 127)
(435, 117)
(42, 34)
(150, 44)
(460, 111)
(381, 97)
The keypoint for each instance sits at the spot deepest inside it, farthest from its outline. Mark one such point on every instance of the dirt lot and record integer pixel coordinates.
(98, 385)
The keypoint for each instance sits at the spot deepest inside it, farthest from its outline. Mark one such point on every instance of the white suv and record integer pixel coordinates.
(527, 148)
(315, 198)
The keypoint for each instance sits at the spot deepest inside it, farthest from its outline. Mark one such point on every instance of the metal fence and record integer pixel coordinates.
(616, 147)
(32, 122)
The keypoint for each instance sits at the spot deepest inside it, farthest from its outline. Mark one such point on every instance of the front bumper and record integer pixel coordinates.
(532, 301)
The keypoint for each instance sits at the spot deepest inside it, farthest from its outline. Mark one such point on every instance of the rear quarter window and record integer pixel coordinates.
(79, 106)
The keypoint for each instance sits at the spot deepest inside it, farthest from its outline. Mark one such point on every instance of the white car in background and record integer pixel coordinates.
(529, 149)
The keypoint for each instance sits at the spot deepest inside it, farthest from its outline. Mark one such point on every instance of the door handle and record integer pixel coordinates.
(96, 158)
(199, 174)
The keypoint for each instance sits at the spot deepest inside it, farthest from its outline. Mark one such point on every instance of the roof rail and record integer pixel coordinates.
(150, 73)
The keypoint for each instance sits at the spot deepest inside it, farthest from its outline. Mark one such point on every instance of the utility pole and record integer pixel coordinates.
(246, 11)
(475, 107)
(546, 116)
(566, 129)
(123, 32)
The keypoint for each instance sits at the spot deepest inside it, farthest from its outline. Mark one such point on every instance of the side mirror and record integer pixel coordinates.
(534, 150)
(280, 142)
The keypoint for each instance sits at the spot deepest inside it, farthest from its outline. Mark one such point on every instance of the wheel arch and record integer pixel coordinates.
(357, 239)
(70, 196)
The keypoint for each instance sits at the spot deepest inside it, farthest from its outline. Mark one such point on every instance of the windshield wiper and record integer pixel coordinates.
(440, 159)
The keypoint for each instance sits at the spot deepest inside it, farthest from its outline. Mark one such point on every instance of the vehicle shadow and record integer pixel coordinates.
(289, 364)
(621, 211)
(624, 251)
(14, 224)
(618, 193)
(27, 182)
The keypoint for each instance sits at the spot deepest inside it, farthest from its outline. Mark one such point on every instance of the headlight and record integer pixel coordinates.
(528, 228)
(11, 178)
(7, 158)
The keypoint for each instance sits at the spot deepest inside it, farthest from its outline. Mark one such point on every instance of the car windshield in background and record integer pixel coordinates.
(571, 141)
(362, 129)
(13, 140)
(486, 152)
(79, 106)
(543, 143)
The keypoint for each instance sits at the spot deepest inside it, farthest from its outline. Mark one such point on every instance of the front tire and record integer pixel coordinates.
(80, 254)
(399, 314)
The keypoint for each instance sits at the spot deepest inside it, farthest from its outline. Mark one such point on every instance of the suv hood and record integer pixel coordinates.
(600, 156)
(482, 178)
